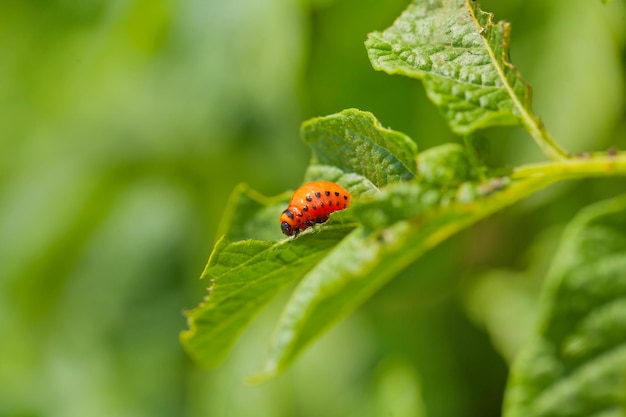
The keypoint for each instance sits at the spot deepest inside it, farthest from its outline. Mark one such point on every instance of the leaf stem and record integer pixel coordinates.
(542, 137)
(585, 165)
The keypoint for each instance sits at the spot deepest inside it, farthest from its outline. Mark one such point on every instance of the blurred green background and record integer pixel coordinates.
(124, 125)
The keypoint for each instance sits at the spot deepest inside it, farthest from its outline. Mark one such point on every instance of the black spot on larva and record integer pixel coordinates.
(336, 193)
(309, 223)
(305, 208)
(309, 198)
(300, 214)
(318, 194)
(314, 207)
(289, 213)
(344, 206)
(345, 197)
(327, 193)
(337, 203)
(322, 204)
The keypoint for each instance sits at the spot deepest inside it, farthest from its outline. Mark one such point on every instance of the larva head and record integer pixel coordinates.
(289, 221)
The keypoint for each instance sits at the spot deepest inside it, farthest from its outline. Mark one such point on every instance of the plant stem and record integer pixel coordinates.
(545, 141)
(597, 164)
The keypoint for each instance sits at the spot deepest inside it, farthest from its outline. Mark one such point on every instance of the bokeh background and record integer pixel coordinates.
(125, 124)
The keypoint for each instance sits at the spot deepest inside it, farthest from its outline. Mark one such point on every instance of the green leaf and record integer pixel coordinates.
(355, 142)
(576, 364)
(246, 273)
(462, 58)
(245, 276)
(400, 223)
(347, 259)
(446, 165)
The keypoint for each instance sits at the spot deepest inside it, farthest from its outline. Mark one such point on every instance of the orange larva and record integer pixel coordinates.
(313, 203)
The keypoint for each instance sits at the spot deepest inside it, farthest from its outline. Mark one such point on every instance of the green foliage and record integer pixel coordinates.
(446, 165)
(463, 59)
(126, 127)
(245, 275)
(461, 56)
(354, 141)
(576, 364)
(406, 203)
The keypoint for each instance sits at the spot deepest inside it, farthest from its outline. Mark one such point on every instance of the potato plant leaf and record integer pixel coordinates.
(253, 261)
(399, 224)
(462, 57)
(576, 364)
(354, 141)
(244, 275)
(403, 205)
